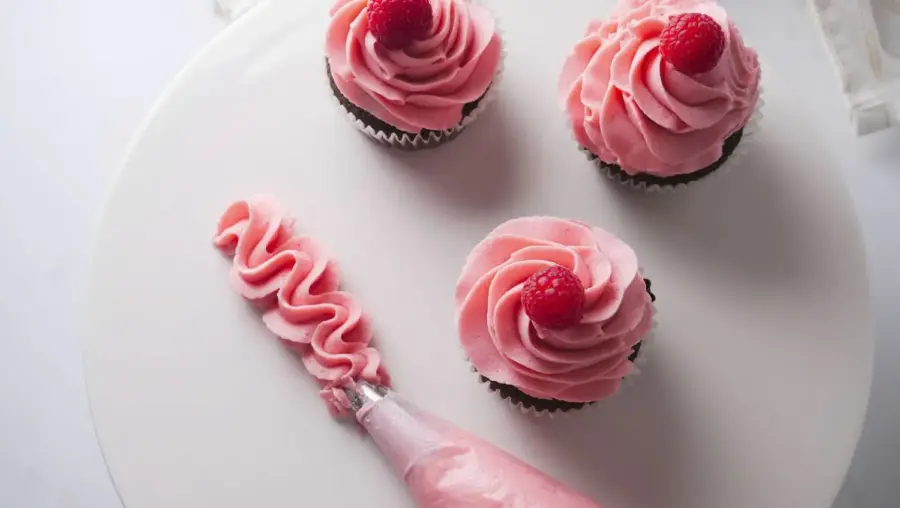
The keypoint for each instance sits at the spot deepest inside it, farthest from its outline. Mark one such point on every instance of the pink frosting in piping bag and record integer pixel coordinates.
(630, 107)
(579, 364)
(425, 85)
(297, 285)
(445, 467)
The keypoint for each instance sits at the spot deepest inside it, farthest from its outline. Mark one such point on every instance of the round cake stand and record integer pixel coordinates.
(754, 392)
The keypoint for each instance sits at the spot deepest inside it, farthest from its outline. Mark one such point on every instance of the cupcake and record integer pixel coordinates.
(552, 313)
(661, 92)
(412, 73)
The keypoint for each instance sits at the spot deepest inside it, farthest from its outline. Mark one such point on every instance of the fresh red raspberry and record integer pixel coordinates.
(397, 23)
(693, 43)
(554, 298)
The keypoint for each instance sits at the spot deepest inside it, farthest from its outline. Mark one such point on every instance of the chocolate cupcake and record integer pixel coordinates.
(553, 313)
(662, 93)
(412, 74)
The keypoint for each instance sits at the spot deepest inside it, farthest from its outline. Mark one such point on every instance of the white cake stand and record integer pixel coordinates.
(753, 397)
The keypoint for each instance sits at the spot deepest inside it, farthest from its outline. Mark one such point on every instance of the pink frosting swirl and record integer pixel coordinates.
(630, 107)
(583, 363)
(425, 85)
(326, 327)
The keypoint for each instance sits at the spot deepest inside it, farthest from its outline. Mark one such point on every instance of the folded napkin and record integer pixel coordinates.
(863, 37)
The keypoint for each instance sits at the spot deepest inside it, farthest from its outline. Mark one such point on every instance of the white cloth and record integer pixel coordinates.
(863, 37)
(233, 9)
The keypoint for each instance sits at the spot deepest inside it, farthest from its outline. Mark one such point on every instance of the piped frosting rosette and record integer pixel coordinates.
(428, 91)
(629, 107)
(582, 363)
(296, 284)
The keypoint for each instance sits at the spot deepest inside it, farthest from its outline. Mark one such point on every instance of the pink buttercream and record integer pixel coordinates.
(580, 364)
(467, 472)
(296, 284)
(630, 107)
(445, 467)
(425, 85)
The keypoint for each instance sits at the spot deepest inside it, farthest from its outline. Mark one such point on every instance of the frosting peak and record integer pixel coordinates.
(630, 107)
(296, 284)
(424, 85)
(583, 363)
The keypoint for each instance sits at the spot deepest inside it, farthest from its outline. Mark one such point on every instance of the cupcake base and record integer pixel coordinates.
(529, 403)
(520, 398)
(642, 179)
(385, 131)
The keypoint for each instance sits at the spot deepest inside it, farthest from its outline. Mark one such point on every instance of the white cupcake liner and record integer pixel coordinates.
(647, 343)
(749, 140)
(411, 142)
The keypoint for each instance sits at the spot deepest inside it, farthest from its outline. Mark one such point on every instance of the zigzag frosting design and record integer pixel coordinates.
(296, 284)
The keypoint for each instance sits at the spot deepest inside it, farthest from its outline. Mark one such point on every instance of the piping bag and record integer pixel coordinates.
(445, 467)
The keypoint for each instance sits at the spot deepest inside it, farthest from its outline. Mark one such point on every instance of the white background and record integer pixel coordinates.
(76, 79)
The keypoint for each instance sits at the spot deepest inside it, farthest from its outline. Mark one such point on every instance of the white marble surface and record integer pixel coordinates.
(78, 77)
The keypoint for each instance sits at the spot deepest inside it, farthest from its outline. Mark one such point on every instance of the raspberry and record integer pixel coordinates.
(693, 43)
(554, 298)
(397, 23)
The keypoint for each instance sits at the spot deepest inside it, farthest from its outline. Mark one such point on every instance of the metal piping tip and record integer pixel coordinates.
(362, 393)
